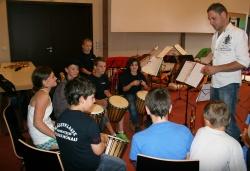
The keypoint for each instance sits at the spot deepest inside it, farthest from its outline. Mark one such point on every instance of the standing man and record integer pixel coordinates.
(230, 55)
(87, 57)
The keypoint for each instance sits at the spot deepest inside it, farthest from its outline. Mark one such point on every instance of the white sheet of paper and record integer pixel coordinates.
(185, 71)
(164, 51)
(153, 66)
(195, 76)
(180, 49)
(204, 94)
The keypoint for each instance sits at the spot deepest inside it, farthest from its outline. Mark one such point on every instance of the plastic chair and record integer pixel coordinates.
(38, 159)
(146, 162)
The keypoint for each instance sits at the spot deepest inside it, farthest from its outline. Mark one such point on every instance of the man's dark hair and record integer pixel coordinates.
(218, 8)
(76, 88)
(131, 60)
(98, 59)
(217, 113)
(158, 102)
(40, 74)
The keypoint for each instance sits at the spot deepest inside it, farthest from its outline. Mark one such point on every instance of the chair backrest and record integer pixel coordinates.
(38, 159)
(146, 162)
(11, 121)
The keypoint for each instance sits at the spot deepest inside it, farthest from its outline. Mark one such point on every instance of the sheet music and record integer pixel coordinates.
(180, 49)
(204, 94)
(191, 73)
(164, 51)
(185, 71)
(195, 76)
(145, 61)
(153, 66)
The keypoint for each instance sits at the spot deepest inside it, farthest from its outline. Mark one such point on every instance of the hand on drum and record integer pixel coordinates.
(143, 83)
(103, 102)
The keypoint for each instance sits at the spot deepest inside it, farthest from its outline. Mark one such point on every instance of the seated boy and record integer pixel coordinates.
(59, 99)
(212, 146)
(163, 139)
(101, 82)
(78, 135)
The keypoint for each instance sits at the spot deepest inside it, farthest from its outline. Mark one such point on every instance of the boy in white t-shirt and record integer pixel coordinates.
(212, 146)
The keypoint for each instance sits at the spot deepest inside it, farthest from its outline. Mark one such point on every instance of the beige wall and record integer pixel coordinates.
(97, 26)
(128, 44)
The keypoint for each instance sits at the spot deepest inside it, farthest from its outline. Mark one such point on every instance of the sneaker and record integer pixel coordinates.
(122, 136)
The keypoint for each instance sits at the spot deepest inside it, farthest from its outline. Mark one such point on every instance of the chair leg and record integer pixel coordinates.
(22, 167)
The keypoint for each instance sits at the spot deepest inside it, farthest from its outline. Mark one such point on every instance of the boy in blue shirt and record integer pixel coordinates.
(163, 139)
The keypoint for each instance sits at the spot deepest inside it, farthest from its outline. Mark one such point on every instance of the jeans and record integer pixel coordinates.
(229, 94)
(110, 163)
(132, 108)
(248, 159)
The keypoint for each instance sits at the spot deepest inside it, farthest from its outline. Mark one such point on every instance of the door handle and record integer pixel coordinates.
(50, 49)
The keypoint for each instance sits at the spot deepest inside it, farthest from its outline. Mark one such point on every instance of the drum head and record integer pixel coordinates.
(96, 109)
(142, 94)
(118, 101)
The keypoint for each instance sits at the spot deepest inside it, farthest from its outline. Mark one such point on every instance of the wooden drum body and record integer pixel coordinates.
(140, 101)
(115, 146)
(117, 106)
(97, 113)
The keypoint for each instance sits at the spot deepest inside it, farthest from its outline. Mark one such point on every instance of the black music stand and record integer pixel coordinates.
(173, 59)
(170, 59)
(181, 59)
(187, 103)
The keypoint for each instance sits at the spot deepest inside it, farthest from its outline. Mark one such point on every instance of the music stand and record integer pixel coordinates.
(180, 61)
(170, 59)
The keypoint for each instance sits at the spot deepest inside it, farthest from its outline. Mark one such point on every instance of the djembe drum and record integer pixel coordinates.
(117, 106)
(140, 101)
(115, 146)
(97, 113)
